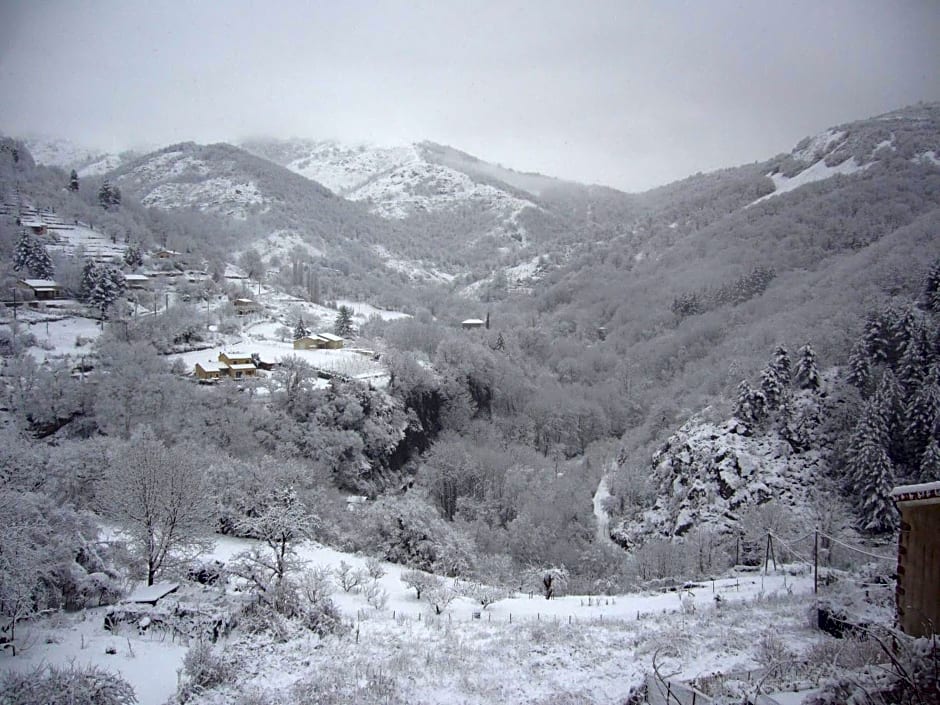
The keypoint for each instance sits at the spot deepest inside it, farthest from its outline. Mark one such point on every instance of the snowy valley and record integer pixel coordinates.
(294, 421)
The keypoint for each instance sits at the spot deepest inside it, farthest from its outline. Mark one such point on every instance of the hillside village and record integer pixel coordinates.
(519, 440)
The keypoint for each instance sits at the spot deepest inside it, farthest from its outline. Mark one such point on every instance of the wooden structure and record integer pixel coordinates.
(918, 589)
(137, 281)
(41, 289)
(166, 254)
(245, 306)
(472, 324)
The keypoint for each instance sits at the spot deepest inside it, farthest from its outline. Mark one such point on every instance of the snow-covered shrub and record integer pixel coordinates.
(70, 685)
(323, 618)
(208, 572)
(340, 686)
(376, 596)
(203, 668)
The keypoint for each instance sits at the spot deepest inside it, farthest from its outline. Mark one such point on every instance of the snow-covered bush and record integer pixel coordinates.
(69, 685)
(439, 596)
(376, 596)
(375, 568)
(203, 668)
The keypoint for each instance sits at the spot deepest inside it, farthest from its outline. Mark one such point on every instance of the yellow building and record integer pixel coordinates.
(918, 589)
(239, 364)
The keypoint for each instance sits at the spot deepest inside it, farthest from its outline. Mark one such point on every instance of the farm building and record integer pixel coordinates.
(41, 289)
(209, 371)
(245, 306)
(137, 281)
(918, 589)
(309, 342)
(333, 342)
(472, 324)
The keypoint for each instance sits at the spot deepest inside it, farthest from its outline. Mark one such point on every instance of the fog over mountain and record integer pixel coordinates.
(616, 94)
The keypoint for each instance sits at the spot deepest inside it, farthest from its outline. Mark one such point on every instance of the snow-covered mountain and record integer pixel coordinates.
(411, 180)
(63, 153)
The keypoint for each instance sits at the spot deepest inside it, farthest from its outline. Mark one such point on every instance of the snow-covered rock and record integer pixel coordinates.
(706, 474)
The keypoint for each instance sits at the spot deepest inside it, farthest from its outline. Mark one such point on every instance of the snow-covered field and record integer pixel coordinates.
(522, 649)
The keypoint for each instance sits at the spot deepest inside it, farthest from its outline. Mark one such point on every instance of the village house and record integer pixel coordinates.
(36, 227)
(41, 289)
(472, 324)
(239, 364)
(210, 371)
(918, 587)
(166, 254)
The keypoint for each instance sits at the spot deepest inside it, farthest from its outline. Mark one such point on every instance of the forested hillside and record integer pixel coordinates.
(676, 369)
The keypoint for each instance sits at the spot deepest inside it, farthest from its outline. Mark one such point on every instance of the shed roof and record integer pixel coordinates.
(136, 278)
(212, 366)
(329, 336)
(239, 366)
(472, 322)
(929, 491)
(40, 283)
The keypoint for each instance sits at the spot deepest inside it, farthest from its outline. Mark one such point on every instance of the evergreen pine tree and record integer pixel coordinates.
(923, 414)
(807, 373)
(781, 366)
(300, 330)
(860, 366)
(771, 387)
(133, 257)
(915, 359)
(115, 196)
(73, 181)
(869, 471)
(23, 252)
(344, 322)
(930, 462)
(877, 509)
(90, 276)
(750, 406)
(931, 291)
(104, 195)
(109, 286)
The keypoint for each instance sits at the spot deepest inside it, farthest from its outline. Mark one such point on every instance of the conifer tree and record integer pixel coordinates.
(923, 414)
(73, 181)
(30, 254)
(109, 286)
(771, 387)
(344, 322)
(931, 291)
(915, 359)
(104, 195)
(870, 473)
(133, 257)
(807, 373)
(930, 462)
(23, 252)
(860, 365)
(300, 330)
(751, 405)
(90, 275)
(781, 366)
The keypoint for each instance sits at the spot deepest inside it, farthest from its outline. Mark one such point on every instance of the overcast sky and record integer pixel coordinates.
(629, 94)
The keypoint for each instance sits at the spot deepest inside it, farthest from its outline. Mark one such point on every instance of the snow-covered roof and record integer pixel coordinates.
(239, 366)
(212, 366)
(232, 354)
(472, 322)
(929, 491)
(244, 301)
(40, 283)
(152, 593)
(136, 278)
(330, 337)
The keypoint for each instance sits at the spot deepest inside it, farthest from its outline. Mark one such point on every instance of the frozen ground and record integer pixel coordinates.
(522, 649)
